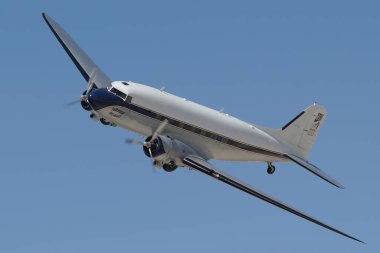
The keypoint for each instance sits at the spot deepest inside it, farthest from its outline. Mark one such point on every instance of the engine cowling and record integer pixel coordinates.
(84, 103)
(167, 151)
(157, 147)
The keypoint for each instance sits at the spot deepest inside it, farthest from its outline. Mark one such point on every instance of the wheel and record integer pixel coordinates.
(169, 167)
(271, 169)
(104, 122)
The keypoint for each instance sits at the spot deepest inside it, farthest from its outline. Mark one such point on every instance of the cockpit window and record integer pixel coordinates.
(125, 83)
(118, 93)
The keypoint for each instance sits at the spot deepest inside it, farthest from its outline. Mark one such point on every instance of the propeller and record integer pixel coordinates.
(72, 103)
(146, 144)
(151, 142)
(159, 130)
(136, 142)
(91, 80)
(90, 85)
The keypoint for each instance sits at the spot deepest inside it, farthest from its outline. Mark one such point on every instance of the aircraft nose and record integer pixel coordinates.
(101, 98)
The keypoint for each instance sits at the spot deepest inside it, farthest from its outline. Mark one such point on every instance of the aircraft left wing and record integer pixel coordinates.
(314, 169)
(203, 166)
(81, 60)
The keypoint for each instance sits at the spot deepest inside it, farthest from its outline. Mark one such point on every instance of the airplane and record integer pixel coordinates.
(181, 133)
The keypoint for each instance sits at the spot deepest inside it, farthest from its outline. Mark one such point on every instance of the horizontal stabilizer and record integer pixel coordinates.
(81, 60)
(313, 169)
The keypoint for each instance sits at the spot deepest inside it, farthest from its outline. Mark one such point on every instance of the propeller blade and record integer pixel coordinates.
(159, 130)
(72, 103)
(150, 153)
(91, 80)
(147, 145)
(134, 142)
(90, 84)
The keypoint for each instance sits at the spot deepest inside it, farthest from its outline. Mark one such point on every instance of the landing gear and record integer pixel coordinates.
(169, 167)
(104, 122)
(271, 168)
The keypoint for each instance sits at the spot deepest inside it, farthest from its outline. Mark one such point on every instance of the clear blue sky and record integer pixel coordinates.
(68, 184)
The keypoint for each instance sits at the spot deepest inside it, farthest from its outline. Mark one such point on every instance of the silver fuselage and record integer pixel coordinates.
(215, 135)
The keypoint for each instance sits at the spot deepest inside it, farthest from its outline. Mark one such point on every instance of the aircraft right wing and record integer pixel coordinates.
(81, 60)
(203, 166)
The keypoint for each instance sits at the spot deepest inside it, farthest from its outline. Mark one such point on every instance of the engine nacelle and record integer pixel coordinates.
(167, 150)
(85, 105)
(84, 102)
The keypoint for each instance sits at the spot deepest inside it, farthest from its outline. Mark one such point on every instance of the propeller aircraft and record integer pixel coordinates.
(181, 133)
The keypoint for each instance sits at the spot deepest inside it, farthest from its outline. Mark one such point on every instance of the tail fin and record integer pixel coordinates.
(300, 134)
(302, 131)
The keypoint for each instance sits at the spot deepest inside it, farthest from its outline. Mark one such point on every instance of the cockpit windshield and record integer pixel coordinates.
(118, 93)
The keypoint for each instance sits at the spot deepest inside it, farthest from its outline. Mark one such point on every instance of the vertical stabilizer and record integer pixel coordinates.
(301, 132)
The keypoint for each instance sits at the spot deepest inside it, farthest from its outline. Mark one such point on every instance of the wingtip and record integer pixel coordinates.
(45, 17)
(363, 242)
(340, 186)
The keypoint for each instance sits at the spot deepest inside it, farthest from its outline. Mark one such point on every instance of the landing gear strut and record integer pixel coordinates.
(271, 168)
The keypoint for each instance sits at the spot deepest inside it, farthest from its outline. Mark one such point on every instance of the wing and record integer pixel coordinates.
(313, 169)
(207, 168)
(81, 60)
